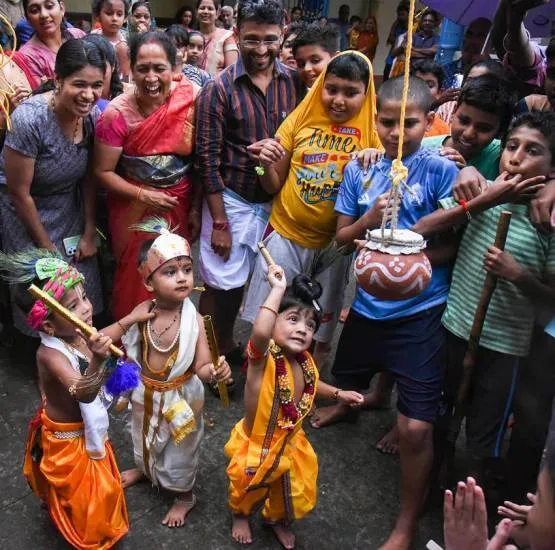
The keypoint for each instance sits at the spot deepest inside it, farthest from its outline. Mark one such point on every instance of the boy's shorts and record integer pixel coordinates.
(411, 348)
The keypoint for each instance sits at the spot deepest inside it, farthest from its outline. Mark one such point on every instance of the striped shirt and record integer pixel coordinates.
(510, 317)
(232, 113)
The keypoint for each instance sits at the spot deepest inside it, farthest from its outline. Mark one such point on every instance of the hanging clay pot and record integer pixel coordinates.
(393, 266)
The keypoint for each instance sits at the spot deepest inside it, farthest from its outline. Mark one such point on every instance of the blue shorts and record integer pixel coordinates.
(411, 348)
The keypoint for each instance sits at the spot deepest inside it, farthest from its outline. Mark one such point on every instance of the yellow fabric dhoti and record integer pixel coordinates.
(84, 496)
(272, 467)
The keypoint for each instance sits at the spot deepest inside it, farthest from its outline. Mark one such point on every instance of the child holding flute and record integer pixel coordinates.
(271, 461)
(69, 462)
(173, 352)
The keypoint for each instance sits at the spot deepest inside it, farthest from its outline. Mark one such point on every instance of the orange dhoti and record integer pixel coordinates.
(273, 467)
(84, 496)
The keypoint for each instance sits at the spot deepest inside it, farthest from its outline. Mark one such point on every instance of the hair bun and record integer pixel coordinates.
(306, 289)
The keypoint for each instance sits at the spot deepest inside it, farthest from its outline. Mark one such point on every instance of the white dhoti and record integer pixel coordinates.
(247, 222)
(166, 417)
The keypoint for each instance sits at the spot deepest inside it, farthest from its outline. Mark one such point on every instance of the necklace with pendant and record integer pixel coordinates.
(75, 124)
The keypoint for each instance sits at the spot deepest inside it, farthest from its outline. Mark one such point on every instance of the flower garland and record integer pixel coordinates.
(292, 412)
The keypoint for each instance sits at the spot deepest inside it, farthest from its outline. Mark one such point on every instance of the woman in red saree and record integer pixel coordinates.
(143, 156)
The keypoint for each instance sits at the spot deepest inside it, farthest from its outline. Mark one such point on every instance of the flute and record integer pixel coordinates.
(215, 354)
(267, 256)
(64, 313)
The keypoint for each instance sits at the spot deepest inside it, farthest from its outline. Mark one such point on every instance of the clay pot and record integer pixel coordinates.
(396, 270)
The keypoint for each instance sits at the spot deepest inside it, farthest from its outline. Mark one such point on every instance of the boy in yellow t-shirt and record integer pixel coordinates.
(304, 166)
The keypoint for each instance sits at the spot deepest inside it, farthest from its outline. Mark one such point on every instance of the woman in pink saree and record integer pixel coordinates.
(143, 156)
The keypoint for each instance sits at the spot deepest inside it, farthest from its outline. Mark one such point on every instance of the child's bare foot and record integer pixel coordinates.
(179, 511)
(389, 443)
(398, 540)
(241, 530)
(324, 416)
(285, 536)
(376, 399)
(130, 477)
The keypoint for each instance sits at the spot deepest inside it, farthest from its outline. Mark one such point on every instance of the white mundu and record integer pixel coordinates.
(167, 423)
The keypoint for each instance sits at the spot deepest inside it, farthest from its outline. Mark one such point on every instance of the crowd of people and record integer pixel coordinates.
(234, 127)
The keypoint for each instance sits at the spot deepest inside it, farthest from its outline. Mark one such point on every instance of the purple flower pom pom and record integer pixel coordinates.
(124, 378)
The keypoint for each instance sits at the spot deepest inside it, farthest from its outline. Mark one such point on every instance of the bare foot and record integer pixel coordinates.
(376, 399)
(324, 416)
(398, 540)
(130, 477)
(241, 530)
(285, 536)
(179, 511)
(344, 314)
(389, 443)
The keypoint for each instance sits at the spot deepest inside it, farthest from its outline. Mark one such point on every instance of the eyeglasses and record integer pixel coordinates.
(252, 44)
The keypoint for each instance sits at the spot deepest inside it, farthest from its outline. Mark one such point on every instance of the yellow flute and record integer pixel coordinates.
(267, 256)
(61, 311)
(215, 353)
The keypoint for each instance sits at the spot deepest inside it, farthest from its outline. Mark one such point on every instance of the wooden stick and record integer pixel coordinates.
(64, 313)
(469, 361)
(267, 256)
(215, 355)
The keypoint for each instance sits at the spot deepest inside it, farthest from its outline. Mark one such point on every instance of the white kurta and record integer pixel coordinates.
(157, 416)
(94, 414)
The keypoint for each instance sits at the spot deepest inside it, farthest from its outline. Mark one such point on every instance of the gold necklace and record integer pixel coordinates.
(75, 124)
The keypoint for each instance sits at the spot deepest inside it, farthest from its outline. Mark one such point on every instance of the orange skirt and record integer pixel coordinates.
(84, 496)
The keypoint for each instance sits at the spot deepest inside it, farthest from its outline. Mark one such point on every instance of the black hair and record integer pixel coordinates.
(493, 67)
(140, 4)
(152, 37)
(293, 28)
(105, 47)
(269, 12)
(402, 6)
(143, 251)
(97, 6)
(66, 35)
(303, 293)
(349, 66)
(543, 122)
(215, 2)
(428, 66)
(419, 93)
(433, 13)
(316, 35)
(74, 55)
(354, 19)
(491, 94)
(23, 298)
(178, 34)
(550, 52)
(297, 8)
(181, 11)
(196, 33)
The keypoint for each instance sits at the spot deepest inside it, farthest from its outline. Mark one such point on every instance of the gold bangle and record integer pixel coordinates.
(72, 390)
(270, 309)
(336, 394)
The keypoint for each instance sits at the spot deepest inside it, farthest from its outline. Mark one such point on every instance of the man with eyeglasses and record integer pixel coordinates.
(235, 114)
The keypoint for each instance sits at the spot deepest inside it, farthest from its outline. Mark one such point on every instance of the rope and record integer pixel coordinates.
(4, 95)
(399, 172)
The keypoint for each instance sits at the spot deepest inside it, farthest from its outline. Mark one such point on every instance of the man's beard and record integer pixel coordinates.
(252, 66)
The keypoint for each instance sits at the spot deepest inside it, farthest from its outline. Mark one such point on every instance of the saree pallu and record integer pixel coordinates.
(156, 156)
(84, 496)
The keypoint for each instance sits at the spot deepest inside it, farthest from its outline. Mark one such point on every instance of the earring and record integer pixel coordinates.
(50, 332)
(57, 89)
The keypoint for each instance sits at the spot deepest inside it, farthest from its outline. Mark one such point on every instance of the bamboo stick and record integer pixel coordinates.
(215, 355)
(267, 256)
(64, 313)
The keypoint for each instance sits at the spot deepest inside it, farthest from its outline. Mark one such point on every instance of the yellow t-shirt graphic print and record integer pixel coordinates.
(303, 211)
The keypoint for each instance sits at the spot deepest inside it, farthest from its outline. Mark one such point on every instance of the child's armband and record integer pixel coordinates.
(253, 354)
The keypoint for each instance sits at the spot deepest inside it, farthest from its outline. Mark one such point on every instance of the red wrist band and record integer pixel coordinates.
(220, 226)
(464, 204)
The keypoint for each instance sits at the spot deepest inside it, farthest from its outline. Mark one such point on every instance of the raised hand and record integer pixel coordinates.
(276, 277)
(99, 344)
(452, 154)
(509, 188)
(469, 184)
(143, 312)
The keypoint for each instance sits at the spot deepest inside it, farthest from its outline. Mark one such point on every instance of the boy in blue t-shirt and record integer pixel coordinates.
(403, 337)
